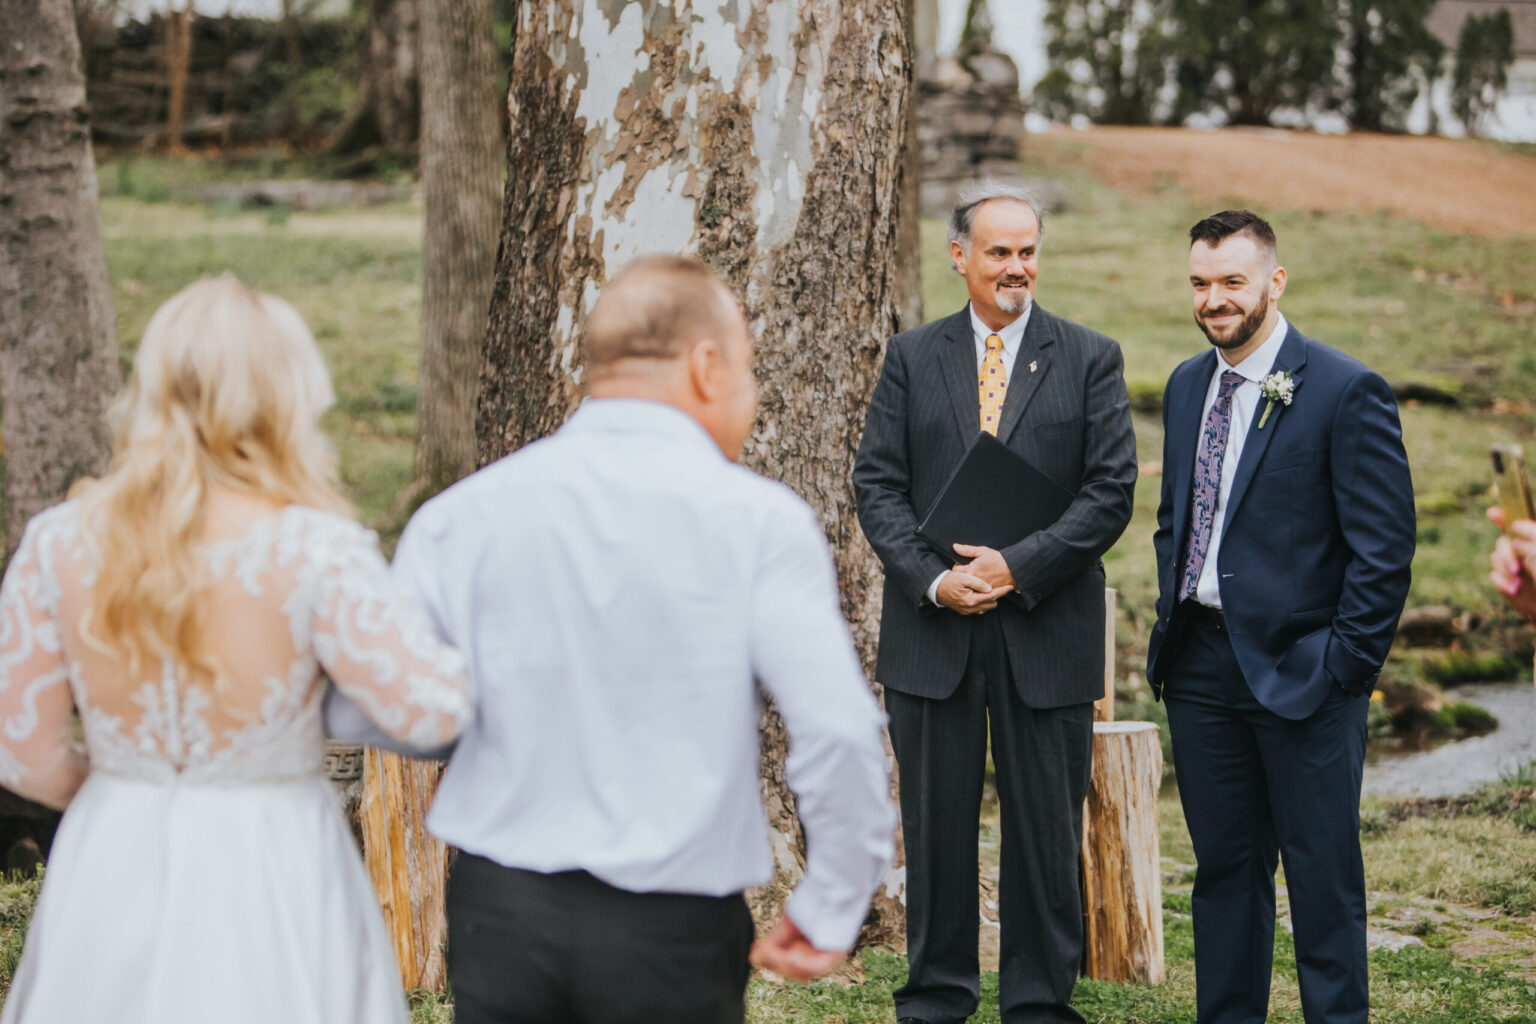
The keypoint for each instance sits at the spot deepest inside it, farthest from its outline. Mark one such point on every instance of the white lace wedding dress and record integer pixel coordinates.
(203, 872)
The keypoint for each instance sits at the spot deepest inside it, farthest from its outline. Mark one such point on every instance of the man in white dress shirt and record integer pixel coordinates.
(624, 594)
(1284, 538)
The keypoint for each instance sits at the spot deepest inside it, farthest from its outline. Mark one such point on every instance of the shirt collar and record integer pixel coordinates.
(1262, 359)
(639, 416)
(1012, 335)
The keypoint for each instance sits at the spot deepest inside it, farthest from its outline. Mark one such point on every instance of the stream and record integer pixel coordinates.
(1460, 767)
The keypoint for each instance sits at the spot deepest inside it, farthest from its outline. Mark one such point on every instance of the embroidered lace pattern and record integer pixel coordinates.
(297, 597)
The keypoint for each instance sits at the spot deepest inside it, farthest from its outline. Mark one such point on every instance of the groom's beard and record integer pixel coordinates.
(1244, 331)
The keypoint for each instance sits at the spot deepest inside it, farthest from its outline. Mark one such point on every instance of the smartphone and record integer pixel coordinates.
(1514, 485)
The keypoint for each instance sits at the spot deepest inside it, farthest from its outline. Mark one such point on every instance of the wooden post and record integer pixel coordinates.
(408, 866)
(1122, 865)
(1104, 707)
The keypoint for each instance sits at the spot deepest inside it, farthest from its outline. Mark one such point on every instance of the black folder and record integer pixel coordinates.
(994, 499)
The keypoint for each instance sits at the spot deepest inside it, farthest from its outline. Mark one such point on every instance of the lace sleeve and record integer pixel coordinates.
(377, 649)
(39, 758)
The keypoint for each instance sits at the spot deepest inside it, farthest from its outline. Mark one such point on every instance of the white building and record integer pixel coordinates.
(1514, 118)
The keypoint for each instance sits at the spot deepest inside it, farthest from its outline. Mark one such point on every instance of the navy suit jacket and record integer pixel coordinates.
(1318, 533)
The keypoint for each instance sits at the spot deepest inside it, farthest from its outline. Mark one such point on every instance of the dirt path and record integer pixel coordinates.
(1455, 185)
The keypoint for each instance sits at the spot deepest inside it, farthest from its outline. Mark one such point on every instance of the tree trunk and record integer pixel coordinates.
(461, 180)
(460, 165)
(58, 337)
(294, 61)
(909, 234)
(178, 64)
(406, 864)
(387, 112)
(763, 136)
(1122, 867)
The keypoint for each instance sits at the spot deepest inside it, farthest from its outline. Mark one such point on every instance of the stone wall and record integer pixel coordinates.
(970, 124)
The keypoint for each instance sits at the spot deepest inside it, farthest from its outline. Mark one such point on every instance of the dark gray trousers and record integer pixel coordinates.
(1042, 759)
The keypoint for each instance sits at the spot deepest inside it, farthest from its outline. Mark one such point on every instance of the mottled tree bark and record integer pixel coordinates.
(58, 339)
(461, 179)
(763, 136)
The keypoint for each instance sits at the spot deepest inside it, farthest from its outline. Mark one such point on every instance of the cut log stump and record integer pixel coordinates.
(408, 866)
(1122, 865)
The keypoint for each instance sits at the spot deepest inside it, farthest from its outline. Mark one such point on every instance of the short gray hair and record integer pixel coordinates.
(972, 196)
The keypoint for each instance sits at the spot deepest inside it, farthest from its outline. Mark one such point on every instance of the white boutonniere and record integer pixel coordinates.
(1279, 388)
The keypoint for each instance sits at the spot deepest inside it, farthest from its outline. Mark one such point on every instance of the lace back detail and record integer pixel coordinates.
(297, 597)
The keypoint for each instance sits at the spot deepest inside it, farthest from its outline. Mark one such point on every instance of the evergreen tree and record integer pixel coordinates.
(1391, 54)
(1251, 58)
(1111, 60)
(1484, 51)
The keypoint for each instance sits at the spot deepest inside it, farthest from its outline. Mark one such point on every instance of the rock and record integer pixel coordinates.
(994, 70)
(1428, 626)
(1390, 940)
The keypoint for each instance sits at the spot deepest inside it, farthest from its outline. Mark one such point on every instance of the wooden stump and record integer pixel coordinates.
(408, 866)
(1104, 707)
(1122, 865)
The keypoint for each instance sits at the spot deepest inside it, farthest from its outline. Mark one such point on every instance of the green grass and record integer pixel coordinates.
(1415, 986)
(17, 898)
(354, 275)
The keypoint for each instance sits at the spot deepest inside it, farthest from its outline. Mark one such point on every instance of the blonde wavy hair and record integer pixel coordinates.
(227, 391)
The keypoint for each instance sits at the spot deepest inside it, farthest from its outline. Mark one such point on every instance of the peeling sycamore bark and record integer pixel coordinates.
(58, 337)
(763, 136)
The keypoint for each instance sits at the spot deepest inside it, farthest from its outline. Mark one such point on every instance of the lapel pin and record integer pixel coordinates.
(1033, 366)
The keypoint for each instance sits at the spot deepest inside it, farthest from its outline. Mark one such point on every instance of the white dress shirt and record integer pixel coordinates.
(1013, 338)
(1245, 403)
(617, 588)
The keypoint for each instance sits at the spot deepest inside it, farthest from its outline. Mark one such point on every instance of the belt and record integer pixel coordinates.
(1201, 615)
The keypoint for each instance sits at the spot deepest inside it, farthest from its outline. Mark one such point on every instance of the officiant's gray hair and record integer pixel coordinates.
(972, 196)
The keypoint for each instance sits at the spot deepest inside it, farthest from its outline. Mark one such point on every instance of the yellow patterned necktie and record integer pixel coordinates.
(992, 384)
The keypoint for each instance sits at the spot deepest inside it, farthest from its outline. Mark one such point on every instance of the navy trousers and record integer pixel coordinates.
(1257, 787)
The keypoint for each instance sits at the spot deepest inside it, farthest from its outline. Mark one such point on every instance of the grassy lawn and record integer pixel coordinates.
(354, 275)
(1418, 305)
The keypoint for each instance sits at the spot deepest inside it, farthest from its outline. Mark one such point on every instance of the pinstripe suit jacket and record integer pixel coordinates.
(1068, 416)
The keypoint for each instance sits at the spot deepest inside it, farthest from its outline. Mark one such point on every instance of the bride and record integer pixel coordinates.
(189, 604)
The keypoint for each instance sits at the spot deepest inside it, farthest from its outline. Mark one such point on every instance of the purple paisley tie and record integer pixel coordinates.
(1213, 450)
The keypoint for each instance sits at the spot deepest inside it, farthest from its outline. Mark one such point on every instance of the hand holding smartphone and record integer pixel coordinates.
(1514, 484)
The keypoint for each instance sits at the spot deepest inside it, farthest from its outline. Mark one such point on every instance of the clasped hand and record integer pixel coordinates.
(976, 585)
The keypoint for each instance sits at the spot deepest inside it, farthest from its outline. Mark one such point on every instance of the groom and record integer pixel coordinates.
(1284, 538)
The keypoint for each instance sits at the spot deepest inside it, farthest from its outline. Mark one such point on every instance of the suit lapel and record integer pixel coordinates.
(1184, 427)
(957, 357)
(1292, 357)
(1030, 367)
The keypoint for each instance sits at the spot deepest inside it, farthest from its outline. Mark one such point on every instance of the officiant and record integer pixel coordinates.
(1005, 637)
